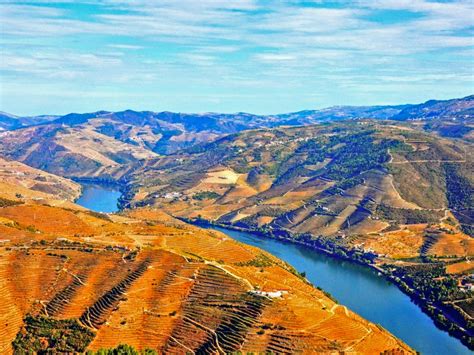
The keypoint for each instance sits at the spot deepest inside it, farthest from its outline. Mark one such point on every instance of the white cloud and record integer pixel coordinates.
(275, 57)
(237, 43)
(125, 46)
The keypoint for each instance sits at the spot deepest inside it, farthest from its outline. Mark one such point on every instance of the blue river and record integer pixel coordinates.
(355, 286)
(99, 198)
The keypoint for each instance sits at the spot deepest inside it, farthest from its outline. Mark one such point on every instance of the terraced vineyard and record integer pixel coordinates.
(379, 193)
(151, 281)
(330, 180)
(391, 194)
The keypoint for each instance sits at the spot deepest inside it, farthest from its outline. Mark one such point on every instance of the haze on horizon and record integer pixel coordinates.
(227, 56)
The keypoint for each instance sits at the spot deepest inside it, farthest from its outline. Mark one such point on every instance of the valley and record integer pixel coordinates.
(386, 195)
(237, 177)
(350, 284)
(391, 192)
(72, 279)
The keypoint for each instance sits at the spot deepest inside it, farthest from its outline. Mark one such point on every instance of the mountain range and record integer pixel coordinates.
(93, 144)
(389, 187)
(219, 123)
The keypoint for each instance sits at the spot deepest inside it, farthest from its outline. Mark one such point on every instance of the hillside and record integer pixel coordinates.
(327, 179)
(391, 196)
(19, 181)
(168, 132)
(69, 151)
(455, 109)
(73, 280)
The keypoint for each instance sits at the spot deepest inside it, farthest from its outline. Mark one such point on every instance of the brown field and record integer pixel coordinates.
(148, 280)
(404, 243)
(461, 267)
(34, 183)
(458, 244)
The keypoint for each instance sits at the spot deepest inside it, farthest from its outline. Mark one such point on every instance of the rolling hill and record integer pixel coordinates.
(167, 132)
(69, 151)
(330, 179)
(72, 280)
(388, 195)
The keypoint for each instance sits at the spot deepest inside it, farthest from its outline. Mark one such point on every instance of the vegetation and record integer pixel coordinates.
(459, 188)
(43, 335)
(359, 153)
(261, 260)
(407, 216)
(123, 349)
(431, 282)
(345, 185)
(206, 195)
(6, 202)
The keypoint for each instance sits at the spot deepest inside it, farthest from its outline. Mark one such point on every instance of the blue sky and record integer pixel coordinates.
(224, 55)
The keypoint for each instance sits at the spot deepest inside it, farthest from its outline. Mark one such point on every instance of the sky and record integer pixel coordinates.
(255, 56)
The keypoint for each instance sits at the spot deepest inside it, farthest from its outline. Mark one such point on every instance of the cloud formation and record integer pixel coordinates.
(235, 54)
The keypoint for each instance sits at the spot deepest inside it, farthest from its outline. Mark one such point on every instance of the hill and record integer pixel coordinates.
(19, 181)
(9, 122)
(454, 109)
(69, 151)
(384, 194)
(168, 132)
(326, 178)
(72, 280)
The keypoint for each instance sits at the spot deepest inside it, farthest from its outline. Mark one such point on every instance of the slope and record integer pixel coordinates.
(72, 280)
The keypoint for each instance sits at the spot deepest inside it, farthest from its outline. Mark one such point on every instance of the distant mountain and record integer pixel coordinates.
(455, 109)
(9, 121)
(341, 113)
(223, 123)
(86, 143)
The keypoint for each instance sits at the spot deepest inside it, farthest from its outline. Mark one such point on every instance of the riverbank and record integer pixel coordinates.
(438, 313)
(356, 285)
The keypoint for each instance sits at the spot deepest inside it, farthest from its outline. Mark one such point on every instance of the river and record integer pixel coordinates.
(99, 197)
(355, 286)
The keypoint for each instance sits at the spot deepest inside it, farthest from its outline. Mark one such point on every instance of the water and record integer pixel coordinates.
(353, 285)
(99, 198)
(363, 291)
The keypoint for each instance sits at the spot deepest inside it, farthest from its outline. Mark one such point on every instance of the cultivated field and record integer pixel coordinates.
(150, 281)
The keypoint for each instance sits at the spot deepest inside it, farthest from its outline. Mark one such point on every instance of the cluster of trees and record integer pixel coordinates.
(431, 282)
(358, 153)
(332, 246)
(407, 216)
(43, 335)
(6, 202)
(350, 154)
(123, 349)
(261, 260)
(459, 188)
(205, 195)
(345, 185)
